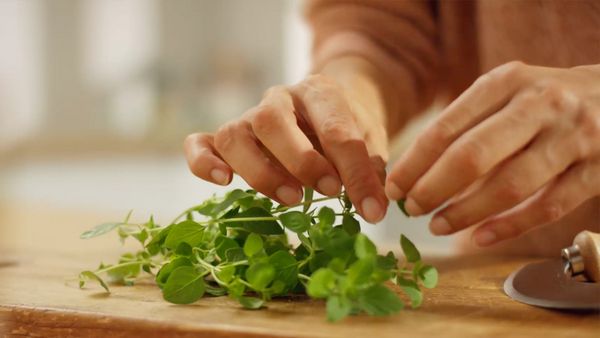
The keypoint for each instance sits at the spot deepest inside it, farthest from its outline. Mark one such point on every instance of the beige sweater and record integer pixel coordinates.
(435, 49)
(429, 49)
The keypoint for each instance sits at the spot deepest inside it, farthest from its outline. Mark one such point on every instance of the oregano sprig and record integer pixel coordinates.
(236, 245)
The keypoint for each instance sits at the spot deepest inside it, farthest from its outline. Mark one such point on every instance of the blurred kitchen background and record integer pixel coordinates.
(96, 97)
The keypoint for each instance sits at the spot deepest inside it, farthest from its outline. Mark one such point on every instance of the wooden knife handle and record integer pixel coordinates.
(583, 257)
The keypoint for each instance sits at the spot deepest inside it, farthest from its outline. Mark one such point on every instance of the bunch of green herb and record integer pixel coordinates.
(236, 246)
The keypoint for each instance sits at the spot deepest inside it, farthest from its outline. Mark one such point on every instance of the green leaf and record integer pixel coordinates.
(141, 236)
(235, 255)
(90, 275)
(184, 286)
(378, 300)
(409, 249)
(308, 196)
(222, 244)
(286, 268)
(321, 283)
(363, 247)
(338, 308)
(326, 217)
(360, 271)
(100, 230)
(295, 221)
(158, 240)
(429, 276)
(387, 262)
(251, 303)
(188, 232)
(412, 290)
(253, 245)
(123, 273)
(236, 288)
(260, 275)
(230, 198)
(350, 225)
(226, 273)
(268, 227)
(400, 204)
(165, 271)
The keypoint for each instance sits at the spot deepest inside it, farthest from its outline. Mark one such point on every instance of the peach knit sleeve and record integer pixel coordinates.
(398, 37)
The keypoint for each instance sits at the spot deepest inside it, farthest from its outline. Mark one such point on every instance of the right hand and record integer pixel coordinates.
(315, 134)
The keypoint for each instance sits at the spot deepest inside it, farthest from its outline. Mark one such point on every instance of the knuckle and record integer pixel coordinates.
(511, 191)
(191, 139)
(264, 120)
(557, 97)
(225, 137)
(304, 166)
(260, 181)
(470, 157)
(511, 71)
(589, 124)
(551, 211)
(336, 129)
(319, 80)
(437, 137)
(422, 195)
(358, 178)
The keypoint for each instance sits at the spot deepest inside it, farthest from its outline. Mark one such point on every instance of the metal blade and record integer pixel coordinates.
(545, 284)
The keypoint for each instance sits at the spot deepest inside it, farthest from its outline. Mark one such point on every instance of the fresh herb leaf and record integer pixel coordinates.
(253, 245)
(296, 221)
(409, 249)
(236, 246)
(184, 286)
(90, 275)
(363, 247)
(321, 283)
(338, 307)
(379, 300)
(100, 229)
(401, 206)
(429, 276)
(412, 290)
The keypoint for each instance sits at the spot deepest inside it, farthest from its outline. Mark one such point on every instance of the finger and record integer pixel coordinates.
(575, 186)
(483, 98)
(274, 124)
(238, 146)
(486, 145)
(344, 145)
(519, 178)
(204, 161)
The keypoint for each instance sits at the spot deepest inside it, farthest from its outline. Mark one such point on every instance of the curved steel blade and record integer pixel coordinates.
(545, 284)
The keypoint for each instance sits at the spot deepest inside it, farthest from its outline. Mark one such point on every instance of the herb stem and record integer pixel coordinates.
(117, 266)
(303, 276)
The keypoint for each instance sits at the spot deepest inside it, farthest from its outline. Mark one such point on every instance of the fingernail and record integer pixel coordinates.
(288, 195)
(439, 226)
(485, 237)
(412, 207)
(393, 192)
(219, 176)
(329, 185)
(371, 209)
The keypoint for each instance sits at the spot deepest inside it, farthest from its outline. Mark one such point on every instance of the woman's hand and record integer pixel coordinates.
(518, 149)
(326, 131)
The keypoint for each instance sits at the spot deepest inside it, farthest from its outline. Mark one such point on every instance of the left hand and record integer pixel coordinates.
(518, 149)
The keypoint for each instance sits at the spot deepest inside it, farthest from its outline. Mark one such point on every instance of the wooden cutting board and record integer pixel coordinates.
(40, 251)
(36, 299)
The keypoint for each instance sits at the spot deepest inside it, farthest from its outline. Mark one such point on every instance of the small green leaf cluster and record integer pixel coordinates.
(236, 245)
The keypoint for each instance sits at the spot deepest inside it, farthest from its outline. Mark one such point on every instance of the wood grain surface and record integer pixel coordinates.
(38, 299)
